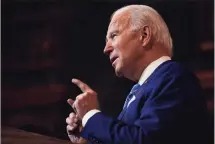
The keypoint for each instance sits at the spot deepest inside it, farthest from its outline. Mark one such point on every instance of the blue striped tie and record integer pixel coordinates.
(130, 95)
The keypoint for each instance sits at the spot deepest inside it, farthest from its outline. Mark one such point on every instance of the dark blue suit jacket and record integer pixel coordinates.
(168, 109)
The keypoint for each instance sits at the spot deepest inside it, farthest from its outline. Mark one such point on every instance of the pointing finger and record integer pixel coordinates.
(84, 87)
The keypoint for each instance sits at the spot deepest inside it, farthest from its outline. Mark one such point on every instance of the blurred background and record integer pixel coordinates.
(47, 43)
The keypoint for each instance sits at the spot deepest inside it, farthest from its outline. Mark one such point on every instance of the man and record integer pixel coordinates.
(164, 107)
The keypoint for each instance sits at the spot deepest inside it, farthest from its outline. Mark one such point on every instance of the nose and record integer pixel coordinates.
(108, 48)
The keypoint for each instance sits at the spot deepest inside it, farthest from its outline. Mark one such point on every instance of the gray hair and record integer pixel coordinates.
(142, 15)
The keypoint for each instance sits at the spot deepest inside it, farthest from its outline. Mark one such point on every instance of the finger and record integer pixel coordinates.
(84, 87)
(73, 118)
(70, 102)
(72, 115)
(73, 138)
(70, 127)
(70, 121)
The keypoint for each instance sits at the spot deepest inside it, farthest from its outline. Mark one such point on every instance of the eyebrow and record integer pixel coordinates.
(110, 33)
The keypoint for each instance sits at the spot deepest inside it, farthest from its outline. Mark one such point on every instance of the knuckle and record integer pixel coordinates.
(74, 125)
(71, 115)
(75, 120)
(68, 127)
(67, 120)
(78, 97)
(87, 93)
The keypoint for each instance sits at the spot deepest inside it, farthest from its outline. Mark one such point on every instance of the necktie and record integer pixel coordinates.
(130, 95)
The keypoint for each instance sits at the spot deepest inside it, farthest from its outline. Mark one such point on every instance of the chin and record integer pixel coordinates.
(118, 72)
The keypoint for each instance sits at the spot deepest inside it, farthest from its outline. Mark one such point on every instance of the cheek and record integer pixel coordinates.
(122, 49)
(117, 51)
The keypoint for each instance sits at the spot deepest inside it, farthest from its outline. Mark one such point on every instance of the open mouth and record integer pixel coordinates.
(112, 60)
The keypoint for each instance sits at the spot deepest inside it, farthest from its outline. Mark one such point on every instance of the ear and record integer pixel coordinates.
(146, 35)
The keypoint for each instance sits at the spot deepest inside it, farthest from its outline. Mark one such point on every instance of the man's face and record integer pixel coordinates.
(123, 45)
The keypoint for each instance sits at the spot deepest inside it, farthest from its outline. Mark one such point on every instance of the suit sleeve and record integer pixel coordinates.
(160, 114)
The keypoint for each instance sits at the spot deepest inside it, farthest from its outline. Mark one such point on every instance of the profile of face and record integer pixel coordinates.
(123, 46)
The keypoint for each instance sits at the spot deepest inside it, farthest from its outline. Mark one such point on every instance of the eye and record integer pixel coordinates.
(113, 35)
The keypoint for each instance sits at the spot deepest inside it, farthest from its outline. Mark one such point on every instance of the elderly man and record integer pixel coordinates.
(164, 107)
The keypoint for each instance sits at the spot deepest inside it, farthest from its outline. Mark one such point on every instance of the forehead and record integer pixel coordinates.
(120, 20)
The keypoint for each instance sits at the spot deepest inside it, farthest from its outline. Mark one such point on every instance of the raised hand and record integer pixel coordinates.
(86, 101)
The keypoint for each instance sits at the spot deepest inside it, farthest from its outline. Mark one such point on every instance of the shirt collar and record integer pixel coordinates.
(151, 67)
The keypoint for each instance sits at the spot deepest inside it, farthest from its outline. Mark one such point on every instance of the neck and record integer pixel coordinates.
(145, 60)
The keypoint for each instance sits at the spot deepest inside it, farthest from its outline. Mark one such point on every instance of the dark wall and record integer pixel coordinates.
(46, 44)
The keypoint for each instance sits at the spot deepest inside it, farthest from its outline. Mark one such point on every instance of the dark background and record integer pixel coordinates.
(47, 43)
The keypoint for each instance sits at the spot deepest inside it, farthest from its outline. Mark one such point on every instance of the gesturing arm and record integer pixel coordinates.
(159, 118)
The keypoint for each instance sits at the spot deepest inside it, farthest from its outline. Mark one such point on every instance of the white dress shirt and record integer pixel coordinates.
(146, 73)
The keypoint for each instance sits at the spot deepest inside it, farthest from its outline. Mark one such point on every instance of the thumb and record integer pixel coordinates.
(70, 102)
